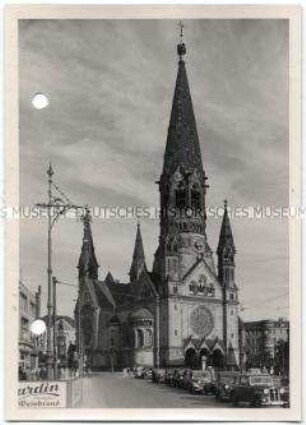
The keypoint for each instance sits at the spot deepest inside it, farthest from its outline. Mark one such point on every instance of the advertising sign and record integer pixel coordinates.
(42, 394)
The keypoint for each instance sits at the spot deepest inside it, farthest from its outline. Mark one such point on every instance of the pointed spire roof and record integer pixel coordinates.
(109, 280)
(182, 146)
(138, 262)
(138, 249)
(226, 236)
(88, 263)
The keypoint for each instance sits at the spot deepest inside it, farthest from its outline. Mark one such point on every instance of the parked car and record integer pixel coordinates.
(169, 377)
(258, 391)
(200, 382)
(158, 375)
(162, 376)
(178, 378)
(172, 377)
(139, 372)
(147, 373)
(155, 376)
(254, 371)
(186, 378)
(282, 382)
(224, 384)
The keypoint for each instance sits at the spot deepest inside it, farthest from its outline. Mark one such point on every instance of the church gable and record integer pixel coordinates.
(146, 288)
(104, 294)
(200, 281)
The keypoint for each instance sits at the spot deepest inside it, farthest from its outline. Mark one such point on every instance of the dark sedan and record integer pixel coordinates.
(258, 391)
(226, 381)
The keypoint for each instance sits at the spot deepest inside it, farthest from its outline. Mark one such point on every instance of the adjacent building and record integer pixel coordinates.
(266, 342)
(29, 310)
(185, 310)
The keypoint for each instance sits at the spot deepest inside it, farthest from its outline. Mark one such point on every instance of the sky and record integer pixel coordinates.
(110, 85)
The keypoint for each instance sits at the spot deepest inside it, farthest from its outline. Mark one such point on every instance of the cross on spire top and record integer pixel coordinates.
(181, 48)
(50, 171)
(181, 26)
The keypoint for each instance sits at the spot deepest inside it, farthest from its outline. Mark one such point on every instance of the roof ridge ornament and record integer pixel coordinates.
(181, 47)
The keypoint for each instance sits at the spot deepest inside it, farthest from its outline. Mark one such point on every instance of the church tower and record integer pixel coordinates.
(88, 265)
(85, 312)
(226, 274)
(182, 186)
(226, 252)
(183, 251)
(138, 263)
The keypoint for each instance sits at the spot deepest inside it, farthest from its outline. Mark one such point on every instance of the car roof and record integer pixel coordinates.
(232, 373)
(255, 375)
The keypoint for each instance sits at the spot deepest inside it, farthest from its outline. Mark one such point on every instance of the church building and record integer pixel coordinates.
(184, 312)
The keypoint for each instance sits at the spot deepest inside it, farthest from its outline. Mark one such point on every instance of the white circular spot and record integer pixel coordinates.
(40, 101)
(38, 327)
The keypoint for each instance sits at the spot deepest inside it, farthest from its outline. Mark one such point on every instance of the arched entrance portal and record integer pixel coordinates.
(217, 359)
(191, 358)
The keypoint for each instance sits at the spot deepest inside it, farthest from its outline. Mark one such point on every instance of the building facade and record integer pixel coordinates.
(29, 310)
(184, 311)
(266, 343)
(65, 335)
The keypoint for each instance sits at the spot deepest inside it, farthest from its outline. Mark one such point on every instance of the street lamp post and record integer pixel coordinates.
(54, 328)
(157, 333)
(49, 271)
(59, 206)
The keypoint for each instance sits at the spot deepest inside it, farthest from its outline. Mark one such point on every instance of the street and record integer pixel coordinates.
(112, 390)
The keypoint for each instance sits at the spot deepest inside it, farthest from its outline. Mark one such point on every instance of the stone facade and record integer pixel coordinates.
(184, 312)
(266, 343)
(29, 310)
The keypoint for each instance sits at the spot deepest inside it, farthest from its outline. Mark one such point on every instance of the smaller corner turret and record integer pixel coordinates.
(226, 251)
(138, 262)
(88, 264)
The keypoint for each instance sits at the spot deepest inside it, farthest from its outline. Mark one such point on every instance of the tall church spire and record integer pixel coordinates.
(138, 262)
(88, 263)
(182, 184)
(183, 146)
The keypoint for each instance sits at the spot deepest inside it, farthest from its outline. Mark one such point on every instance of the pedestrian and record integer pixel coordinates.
(43, 373)
(75, 366)
(86, 367)
(21, 374)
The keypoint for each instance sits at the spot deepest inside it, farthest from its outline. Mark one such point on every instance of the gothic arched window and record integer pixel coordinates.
(140, 338)
(195, 198)
(181, 196)
(148, 338)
